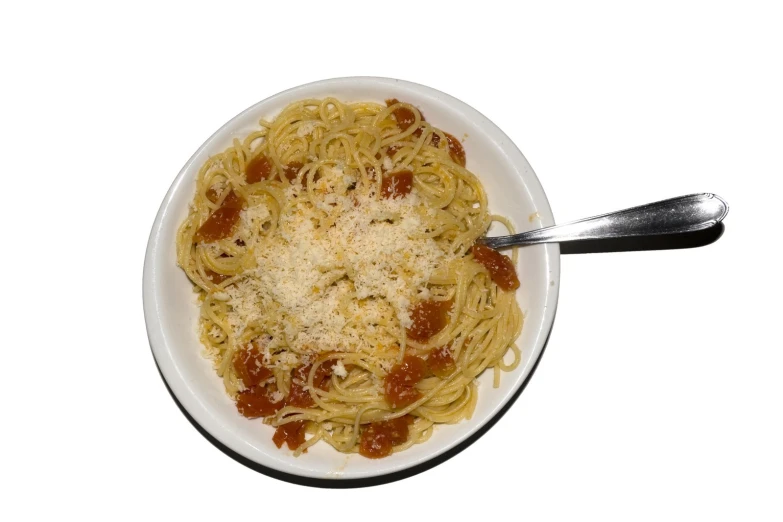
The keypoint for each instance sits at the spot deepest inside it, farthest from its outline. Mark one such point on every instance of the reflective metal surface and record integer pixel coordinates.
(670, 216)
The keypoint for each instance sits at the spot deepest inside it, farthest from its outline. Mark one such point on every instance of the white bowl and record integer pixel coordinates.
(171, 312)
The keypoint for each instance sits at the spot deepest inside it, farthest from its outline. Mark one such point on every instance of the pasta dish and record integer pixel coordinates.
(343, 296)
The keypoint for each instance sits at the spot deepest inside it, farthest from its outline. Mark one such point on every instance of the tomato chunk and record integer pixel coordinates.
(292, 433)
(258, 402)
(456, 151)
(412, 369)
(214, 277)
(440, 362)
(212, 195)
(220, 224)
(501, 269)
(321, 377)
(378, 439)
(399, 385)
(258, 169)
(403, 115)
(298, 396)
(248, 364)
(292, 169)
(429, 317)
(397, 185)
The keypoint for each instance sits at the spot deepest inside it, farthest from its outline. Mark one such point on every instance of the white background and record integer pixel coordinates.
(660, 392)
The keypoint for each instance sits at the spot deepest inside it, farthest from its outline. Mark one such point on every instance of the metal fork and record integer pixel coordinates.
(670, 216)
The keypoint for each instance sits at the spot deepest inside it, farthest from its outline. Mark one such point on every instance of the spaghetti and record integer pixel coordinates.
(342, 297)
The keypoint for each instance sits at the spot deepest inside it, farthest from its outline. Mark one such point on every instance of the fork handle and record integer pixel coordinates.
(670, 216)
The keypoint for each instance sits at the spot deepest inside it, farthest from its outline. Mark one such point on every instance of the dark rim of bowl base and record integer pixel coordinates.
(368, 481)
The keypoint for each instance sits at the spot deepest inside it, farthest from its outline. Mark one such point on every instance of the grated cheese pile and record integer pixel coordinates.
(346, 287)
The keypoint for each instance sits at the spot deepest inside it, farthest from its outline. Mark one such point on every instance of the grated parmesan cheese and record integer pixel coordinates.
(215, 331)
(305, 129)
(339, 288)
(252, 218)
(339, 370)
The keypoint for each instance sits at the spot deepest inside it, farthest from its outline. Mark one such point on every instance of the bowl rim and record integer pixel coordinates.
(198, 411)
